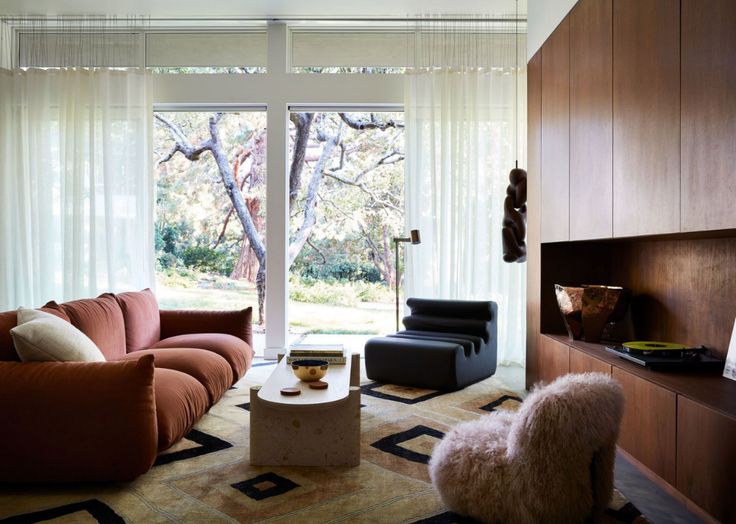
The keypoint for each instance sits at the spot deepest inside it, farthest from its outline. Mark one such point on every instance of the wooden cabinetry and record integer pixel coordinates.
(646, 117)
(533, 264)
(553, 359)
(555, 151)
(591, 125)
(641, 142)
(706, 462)
(708, 114)
(582, 363)
(649, 424)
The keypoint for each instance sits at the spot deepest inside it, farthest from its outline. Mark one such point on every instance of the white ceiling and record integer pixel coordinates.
(259, 9)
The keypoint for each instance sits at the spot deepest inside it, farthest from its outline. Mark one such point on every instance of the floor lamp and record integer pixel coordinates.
(414, 239)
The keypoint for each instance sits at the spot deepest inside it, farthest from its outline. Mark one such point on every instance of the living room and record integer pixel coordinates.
(193, 195)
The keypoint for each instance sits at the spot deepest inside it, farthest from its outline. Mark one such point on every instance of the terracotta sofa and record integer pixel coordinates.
(107, 421)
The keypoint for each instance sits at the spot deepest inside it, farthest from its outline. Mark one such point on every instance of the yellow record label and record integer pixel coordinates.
(651, 345)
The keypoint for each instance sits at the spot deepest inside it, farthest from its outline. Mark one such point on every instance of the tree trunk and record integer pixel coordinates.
(302, 123)
(261, 290)
(310, 214)
(242, 210)
(247, 265)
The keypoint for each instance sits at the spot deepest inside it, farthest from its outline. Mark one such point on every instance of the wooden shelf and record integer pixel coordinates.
(710, 389)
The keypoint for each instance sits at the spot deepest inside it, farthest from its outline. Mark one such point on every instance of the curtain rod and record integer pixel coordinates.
(429, 19)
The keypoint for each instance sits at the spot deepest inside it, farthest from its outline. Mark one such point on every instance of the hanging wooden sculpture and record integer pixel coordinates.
(514, 218)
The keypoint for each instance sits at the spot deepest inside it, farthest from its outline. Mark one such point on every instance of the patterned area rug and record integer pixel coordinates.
(207, 477)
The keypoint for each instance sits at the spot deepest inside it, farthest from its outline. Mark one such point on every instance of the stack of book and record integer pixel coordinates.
(333, 354)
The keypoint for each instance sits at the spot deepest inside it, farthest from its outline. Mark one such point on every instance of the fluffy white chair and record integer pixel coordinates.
(551, 461)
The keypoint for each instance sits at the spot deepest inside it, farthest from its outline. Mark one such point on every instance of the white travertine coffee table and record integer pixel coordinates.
(315, 428)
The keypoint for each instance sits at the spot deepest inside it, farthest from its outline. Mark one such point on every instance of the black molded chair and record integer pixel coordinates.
(447, 345)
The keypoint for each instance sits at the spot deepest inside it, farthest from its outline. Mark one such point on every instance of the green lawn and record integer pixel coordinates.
(364, 318)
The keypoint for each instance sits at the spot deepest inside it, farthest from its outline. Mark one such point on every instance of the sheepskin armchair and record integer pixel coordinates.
(551, 461)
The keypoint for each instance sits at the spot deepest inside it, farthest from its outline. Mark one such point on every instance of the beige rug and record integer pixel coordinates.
(207, 477)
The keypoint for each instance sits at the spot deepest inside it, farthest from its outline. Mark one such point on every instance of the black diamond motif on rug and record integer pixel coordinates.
(245, 406)
(97, 509)
(369, 389)
(447, 517)
(392, 443)
(265, 486)
(491, 406)
(207, 444)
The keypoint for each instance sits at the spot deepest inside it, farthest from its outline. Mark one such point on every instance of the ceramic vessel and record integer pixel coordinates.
(309, 370)
(588, 310)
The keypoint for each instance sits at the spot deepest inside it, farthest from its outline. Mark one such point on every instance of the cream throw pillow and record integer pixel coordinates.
(41, 336)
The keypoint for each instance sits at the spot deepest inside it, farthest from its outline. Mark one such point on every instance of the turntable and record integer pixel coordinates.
(667, 356)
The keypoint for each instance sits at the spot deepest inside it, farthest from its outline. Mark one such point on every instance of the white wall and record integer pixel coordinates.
(543, 17)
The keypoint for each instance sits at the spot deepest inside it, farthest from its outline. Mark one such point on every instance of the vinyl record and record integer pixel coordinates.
(651, 345)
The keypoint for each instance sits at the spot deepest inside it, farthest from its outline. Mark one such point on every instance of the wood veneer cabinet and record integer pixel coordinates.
(648, 427)
(534, 142)
(708, 114)
(706, 468)
(553, 359)
(583, 363)
(671, 103)
(555, 152)
(591, 120)
(646, 117)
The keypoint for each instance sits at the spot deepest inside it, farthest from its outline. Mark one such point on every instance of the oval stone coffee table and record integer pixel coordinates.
(314, 428)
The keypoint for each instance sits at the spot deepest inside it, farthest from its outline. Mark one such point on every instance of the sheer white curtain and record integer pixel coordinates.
(6, 48)
(462, 141)
(76, 190)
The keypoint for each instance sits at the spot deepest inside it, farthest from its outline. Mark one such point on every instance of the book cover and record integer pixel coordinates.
(329, 359)
(729, 371)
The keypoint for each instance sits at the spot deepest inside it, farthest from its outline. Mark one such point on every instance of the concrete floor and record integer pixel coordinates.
(656, 504)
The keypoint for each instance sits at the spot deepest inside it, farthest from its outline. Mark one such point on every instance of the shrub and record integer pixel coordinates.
(178, 278)
(337, 293)
(341, 270)
(166, 260)
(207, 259)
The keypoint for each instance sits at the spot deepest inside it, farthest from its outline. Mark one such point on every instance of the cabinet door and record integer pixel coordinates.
(646, 117)
(708, 114)
(553, 359)
(648, 428)
(591, 120)
(534, 255)
(556, 135)
(582, 363)
(706, 456)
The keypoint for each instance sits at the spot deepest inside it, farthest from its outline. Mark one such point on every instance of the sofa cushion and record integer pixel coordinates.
(8, 320)
(77, 421)
(237, 353)
(183, 322)
(180, 401)
(43, 337)
(101, 319)
(142, 322)
(210, 369)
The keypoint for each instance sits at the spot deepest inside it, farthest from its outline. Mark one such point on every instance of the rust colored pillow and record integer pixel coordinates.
(186, 322)
(9, 319)
(77, 421)
(101, 319)
(180, 402)
(142, 322)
